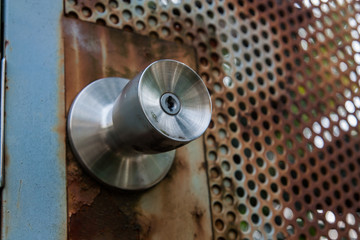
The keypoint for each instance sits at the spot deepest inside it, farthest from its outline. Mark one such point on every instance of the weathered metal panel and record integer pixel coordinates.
(179, 204)
(34, 196)
(283, 147)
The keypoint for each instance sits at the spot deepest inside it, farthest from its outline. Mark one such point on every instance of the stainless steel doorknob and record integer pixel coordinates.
(125, 132)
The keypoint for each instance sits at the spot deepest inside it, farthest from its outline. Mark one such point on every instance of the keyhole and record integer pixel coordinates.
(170, 103)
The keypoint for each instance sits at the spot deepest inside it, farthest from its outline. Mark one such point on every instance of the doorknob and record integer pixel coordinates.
(125, 132)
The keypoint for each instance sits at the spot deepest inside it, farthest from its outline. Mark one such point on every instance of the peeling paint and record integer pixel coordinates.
(110, 215)
(19, 195)
(79, 193)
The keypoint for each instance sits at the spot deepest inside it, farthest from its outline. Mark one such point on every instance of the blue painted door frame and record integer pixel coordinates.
(34, 196)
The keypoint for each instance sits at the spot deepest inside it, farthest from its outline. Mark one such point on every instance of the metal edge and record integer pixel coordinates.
(2, 115)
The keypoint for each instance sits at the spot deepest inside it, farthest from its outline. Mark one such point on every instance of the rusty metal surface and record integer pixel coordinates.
(283, 146)
(178, 205)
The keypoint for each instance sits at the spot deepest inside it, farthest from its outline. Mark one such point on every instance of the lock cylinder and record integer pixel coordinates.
(162, 108)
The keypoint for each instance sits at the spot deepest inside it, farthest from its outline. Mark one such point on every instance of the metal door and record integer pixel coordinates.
(280, 159)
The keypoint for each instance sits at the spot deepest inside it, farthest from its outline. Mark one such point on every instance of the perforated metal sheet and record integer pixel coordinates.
(283, 145)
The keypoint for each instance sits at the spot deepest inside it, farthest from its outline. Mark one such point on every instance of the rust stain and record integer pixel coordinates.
(179, 167)
(203, 166)
(6, 157)
(6, 231)
(82, 192)
(6, 164)
(110, 216)
(98, 212)
(187, 215)
(7, 42)
(60, 127)
(198, 215)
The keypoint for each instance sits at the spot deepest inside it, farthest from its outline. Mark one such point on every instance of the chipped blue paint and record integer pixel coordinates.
(34, 197)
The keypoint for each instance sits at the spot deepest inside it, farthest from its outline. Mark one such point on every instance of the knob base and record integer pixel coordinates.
(89, 130)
